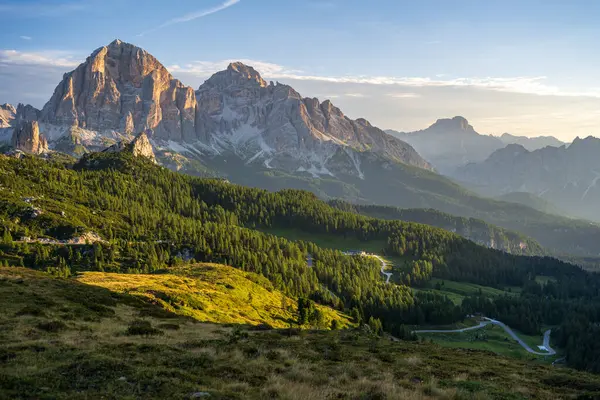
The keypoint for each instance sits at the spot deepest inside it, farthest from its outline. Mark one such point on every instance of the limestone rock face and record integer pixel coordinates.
(238, 111)
(123, 88)
(140, 146)
(26, 137)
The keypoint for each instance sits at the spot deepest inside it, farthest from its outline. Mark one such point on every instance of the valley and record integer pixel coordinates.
(237, 240)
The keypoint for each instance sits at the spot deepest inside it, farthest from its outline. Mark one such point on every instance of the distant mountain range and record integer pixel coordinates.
(452, 143)
(531, 143)
(567, 176)
(264, 134)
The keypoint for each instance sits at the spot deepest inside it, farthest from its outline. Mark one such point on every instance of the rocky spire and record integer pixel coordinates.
(27, 137)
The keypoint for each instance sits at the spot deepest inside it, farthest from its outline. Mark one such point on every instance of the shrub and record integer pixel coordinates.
(170, 327)
(142, 328)
(31, 310)
(52, 326)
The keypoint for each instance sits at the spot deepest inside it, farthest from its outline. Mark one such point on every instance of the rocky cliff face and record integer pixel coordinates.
(26, 137)
(567, 176)
(140, 146)
(122, 88)
(274, 125)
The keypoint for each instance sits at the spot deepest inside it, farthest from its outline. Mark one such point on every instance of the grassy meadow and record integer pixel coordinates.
(63, 339)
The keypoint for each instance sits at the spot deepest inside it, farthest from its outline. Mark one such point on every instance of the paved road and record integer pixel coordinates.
(512, 334)
(388, 275)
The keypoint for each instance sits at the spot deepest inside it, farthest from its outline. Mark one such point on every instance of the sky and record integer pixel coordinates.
(528, 67)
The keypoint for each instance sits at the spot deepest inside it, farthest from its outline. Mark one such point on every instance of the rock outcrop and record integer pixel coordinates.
(140, 146)
(123, 88)
(26, 137)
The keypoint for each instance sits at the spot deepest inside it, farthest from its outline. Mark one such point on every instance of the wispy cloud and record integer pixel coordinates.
(193, 16)
(404, 95)
(359, 95)
(537, 85)
(43, 58)
(26, 37)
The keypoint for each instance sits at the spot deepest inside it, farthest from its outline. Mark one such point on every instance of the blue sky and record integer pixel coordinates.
(527, 67)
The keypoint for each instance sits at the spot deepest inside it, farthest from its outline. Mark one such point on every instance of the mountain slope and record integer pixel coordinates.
(531, 200)
(565, 176)
(473, 229)
(212, 293)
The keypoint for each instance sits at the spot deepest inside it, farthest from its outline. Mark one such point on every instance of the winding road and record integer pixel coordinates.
(489, 321)
(388, 275)
(486, 322)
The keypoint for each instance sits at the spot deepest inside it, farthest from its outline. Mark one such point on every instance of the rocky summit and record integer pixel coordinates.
(274, 125)
(122, 88)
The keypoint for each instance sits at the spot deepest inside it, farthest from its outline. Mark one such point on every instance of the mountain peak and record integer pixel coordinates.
(242, 72)
(116, 42)
(457, 123)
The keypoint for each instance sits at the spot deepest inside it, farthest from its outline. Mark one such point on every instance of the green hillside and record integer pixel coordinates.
(114, 213)
(473, 229)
